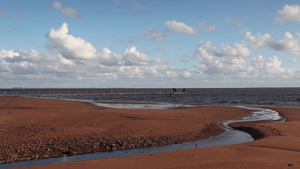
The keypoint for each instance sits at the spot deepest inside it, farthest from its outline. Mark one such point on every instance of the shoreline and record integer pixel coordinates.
(61, 130)
(279, 149)
(279, 138)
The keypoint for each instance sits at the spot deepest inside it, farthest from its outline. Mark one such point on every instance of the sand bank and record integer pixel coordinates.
(39, 128)
(279, 147)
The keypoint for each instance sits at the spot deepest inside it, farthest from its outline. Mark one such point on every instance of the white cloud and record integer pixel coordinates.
(68, 46)
(271, 67)
(131, 72)
(208, 51)
(18, 55)
(133, 57)
(180, 27)
(259, 40)
(289, 43)
(157, 73)
(69, 60)
(207, 27)
(109, 58)
(289, 13)
(8, 53)
(66, 11)
(225, 61)
(239, 50)
(20, 62)
(152, 34)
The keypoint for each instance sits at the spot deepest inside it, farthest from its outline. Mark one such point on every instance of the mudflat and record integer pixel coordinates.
(279, 147)
(43, 128)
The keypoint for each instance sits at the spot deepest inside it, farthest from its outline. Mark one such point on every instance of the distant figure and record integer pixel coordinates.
(183, 90)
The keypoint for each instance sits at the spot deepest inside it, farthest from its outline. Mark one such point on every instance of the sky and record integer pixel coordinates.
(142, 43)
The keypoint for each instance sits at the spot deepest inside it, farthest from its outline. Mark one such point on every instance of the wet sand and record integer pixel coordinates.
(39, 128)
(277, 148)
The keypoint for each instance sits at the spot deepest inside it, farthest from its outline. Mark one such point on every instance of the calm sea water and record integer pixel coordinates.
(199, 96)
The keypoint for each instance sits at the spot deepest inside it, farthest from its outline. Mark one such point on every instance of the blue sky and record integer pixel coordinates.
(139, 43)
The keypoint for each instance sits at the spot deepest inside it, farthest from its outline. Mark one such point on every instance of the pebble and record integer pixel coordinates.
(42, 145)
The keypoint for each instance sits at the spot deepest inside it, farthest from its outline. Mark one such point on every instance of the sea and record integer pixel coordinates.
(176, 96)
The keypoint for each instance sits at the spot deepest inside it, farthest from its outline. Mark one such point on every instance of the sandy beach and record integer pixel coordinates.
(56, 128)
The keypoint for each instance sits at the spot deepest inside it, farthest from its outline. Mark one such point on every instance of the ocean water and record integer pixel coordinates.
(193, 96)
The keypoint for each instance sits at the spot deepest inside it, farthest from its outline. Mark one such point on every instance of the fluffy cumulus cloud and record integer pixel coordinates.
(71, 59)
(66, 11)
(288, 43)
(68, 46)
(290, 13)
(209, 51)
(109, 58)
(230, 62)
(271, 67)
(180, 27)
(225, 61)
(239, 50)
(133, 57)
(259, 40)
(68, 60)
(20, 62)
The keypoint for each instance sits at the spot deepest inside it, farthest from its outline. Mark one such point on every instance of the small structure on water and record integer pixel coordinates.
(177, 91)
